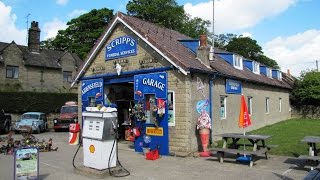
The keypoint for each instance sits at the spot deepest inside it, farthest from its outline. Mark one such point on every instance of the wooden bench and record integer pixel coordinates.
(313, 174)
(252, 154)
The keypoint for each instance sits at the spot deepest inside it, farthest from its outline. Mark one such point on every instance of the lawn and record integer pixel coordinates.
(288, 134)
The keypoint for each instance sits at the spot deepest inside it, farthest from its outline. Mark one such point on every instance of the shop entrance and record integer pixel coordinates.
(121, 94)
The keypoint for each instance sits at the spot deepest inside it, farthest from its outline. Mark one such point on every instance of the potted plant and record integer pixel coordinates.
(204, 126)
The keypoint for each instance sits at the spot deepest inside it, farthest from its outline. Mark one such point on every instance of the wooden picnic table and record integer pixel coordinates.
(257, 142)
(312, 141)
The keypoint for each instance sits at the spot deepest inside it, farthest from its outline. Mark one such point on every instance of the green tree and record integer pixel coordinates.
(307, 89)
(169, 14)
(221, 40)
(250, 49)
(82, 32)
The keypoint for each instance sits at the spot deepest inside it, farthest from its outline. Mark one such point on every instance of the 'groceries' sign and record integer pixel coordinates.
(121, 47)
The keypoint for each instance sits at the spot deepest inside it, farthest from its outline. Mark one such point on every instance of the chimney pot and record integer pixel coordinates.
(203, 40)
(288, 72)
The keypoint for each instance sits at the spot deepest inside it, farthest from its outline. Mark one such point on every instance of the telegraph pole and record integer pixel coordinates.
(317, 65)
(211, 53)
(27, 17)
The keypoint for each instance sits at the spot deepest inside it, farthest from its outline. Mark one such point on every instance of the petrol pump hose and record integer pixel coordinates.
(127, 173)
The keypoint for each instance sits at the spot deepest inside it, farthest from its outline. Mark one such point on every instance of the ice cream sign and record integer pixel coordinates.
(121, 47)
(155, 83)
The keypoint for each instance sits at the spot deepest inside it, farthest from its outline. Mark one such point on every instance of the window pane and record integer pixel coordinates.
(171, 108)
(223, 107)
(12, 72)
(67, 76)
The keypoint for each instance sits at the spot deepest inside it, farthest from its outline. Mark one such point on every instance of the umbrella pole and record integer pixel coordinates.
(244, 143)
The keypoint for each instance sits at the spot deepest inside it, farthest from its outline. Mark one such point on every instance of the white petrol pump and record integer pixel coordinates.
(99, 139)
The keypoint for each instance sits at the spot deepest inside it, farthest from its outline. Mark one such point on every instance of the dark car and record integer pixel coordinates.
(5, 122)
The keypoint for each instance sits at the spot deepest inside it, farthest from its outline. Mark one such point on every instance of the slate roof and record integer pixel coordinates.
(46, 58)
(167, 41)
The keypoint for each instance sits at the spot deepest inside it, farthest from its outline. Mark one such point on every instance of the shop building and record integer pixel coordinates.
(168, 76)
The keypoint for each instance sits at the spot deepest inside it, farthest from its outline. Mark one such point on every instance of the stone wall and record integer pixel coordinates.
(306, 111)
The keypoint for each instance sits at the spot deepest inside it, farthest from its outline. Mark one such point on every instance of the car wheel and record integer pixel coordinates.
(38, 131)
(7, 128)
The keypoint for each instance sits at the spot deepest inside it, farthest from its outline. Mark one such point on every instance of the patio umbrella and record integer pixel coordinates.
(244, 121)
(244, 118)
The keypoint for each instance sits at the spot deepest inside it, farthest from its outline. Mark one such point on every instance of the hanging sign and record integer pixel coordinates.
(154, 83)
(233, 86)
(93, 89)
(26, 163)
(153, 131)
(121, 47)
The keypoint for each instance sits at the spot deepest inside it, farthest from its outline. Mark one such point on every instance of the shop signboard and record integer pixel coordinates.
(26, 163)
(154, 83)
(233, 87)
(154, 131)
(121, 47)
(92, 92)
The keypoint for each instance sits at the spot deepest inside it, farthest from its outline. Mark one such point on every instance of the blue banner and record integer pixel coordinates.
(155, 83)
(92, 89)
(121, 47)
(233, 87)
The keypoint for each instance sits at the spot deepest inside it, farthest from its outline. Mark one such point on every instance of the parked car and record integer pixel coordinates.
(68, 115)
(5, 122)
(37, 121)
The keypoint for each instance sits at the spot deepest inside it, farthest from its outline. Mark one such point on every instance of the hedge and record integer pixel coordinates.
(20, 102)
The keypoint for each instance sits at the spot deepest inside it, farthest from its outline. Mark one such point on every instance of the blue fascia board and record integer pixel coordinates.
(191, 44)
(127, 73)
(227, 57)
(248, 63)
(263, 70)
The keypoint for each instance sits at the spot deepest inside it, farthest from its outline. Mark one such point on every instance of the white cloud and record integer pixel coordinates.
(8, 30)
(246, 34)
(76, 13)
(50, 29)
(232, 15)
(62, 2)
(297, 52)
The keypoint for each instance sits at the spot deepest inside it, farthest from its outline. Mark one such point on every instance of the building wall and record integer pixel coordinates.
(259, 117)
(38, 79)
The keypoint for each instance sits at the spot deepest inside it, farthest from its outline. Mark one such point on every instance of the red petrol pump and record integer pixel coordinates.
(74, 133)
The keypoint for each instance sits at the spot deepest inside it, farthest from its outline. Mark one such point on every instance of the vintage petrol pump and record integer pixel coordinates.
(99, 139)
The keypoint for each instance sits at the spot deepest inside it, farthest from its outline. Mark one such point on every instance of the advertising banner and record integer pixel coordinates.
(26, 163)
(92, 91)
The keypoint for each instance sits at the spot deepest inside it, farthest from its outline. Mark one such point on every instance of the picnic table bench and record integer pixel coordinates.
(259, 149)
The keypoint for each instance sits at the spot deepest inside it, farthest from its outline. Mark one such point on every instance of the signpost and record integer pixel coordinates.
(26, 163)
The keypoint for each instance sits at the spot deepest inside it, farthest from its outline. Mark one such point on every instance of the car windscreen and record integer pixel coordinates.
(30, 116)
(69, 109)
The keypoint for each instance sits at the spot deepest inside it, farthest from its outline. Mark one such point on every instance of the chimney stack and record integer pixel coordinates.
(34, 37)
(203, 50)
(288, 72)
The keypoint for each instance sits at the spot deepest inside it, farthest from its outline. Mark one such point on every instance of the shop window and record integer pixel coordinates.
(267, 105)
(171, 108)
(12, 72)
(237, 62)
(256, 67)
(67, 76)
(280, 104)
(92, 101)
(223, 107)
(150, 109)
(250, 105)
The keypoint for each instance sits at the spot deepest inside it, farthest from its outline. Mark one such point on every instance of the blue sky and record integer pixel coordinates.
(288, 30)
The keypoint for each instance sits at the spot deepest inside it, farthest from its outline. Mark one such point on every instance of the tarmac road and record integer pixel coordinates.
(57, 165)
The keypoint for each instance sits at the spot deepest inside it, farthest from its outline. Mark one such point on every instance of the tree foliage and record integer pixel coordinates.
(307, 89)
(169, 14)
(244, 46)
(82, 32)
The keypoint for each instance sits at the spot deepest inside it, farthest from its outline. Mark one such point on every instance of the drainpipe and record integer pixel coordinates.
(211, 105)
